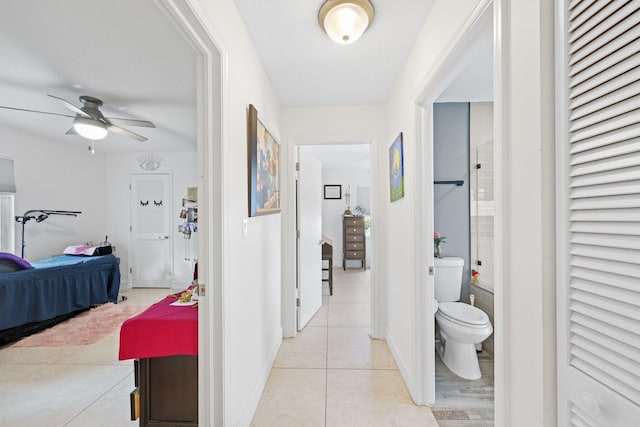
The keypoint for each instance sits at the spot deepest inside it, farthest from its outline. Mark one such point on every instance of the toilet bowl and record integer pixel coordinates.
(462, 326)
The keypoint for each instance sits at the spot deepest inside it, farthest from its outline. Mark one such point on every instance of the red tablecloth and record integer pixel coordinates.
(161, 330)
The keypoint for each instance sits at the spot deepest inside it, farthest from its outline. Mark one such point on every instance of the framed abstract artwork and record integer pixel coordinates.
(396, 169)
(263, 164)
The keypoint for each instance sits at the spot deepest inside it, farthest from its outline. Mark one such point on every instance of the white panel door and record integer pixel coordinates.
(598, 253)
(310, 237)
(152, 247)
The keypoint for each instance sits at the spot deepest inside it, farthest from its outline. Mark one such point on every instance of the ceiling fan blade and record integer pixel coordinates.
(124, 132)
(71, 131)
(34, 111)
(70, 106)
(130, 122)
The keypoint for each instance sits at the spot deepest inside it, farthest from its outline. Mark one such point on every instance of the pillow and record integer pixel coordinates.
(86, 250)
(10, 263)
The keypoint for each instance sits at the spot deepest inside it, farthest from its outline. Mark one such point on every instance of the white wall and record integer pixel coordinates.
(53, 175)
(332, 210)
(444, 21)
(119, 167)
(252, 265)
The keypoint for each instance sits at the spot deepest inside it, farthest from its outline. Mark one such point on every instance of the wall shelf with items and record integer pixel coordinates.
(189, 226)
(189, 213)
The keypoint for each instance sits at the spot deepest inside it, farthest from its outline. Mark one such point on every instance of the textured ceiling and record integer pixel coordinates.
(89, 47)
(308, 69)
(124, 52)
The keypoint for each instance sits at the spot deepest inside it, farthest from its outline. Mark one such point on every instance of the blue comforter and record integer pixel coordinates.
(57, 286)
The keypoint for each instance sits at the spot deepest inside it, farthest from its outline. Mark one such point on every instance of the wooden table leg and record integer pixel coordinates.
(331, 276)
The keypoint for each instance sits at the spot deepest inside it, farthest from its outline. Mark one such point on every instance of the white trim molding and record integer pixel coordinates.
(212, 136)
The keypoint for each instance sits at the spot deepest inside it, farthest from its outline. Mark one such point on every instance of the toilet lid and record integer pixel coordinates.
(463, 313)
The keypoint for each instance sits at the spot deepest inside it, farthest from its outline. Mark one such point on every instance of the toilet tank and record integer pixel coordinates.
(448, 278)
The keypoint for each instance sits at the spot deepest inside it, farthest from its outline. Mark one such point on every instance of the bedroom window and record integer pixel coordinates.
(7, 229)
(7, 191)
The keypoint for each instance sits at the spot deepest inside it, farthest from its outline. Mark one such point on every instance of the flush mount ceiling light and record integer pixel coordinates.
(345, 21)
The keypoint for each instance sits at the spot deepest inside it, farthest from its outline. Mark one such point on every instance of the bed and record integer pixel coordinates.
(53, 290)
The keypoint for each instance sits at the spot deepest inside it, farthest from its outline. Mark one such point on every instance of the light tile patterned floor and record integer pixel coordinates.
(69, 386)
(333, 374)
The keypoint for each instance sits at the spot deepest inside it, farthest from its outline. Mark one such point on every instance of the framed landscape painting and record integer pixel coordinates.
(264, 167)
(396, 169)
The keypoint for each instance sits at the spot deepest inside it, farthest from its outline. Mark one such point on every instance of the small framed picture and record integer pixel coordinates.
(333, 192)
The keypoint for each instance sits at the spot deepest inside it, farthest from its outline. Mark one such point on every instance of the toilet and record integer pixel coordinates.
(462, 326)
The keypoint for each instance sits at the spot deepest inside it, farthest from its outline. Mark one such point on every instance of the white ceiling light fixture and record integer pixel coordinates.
(345, 21)
(89, 128)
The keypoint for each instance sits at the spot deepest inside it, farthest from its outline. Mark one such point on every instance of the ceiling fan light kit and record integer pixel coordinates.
(89, 122)
(345, 21)
(89, 128)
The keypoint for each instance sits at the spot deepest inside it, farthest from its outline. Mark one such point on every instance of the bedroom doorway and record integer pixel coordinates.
(151, 263)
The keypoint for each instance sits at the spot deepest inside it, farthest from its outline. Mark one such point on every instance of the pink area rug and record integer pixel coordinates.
(85, 328)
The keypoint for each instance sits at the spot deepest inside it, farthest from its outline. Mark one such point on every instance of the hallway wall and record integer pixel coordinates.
(439, 30)
(252, 265)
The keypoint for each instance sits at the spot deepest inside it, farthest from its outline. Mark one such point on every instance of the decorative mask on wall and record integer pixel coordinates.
(149, 161)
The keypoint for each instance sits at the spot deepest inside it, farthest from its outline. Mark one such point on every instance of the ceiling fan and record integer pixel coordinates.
(90, 123)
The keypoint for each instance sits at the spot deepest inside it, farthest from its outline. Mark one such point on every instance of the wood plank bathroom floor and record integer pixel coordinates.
(465, 403)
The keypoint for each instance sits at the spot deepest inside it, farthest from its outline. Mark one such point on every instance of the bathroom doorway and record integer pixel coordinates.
(472, 46)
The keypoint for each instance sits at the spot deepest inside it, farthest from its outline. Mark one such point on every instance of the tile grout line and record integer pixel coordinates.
(96, 400)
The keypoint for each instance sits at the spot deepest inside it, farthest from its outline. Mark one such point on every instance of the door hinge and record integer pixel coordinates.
(129, 186)
(430, 270)
(297, 234)
(479, 166)
(297, 166)
(130, 229)
(130, 270)
(202, 292)
(297, 302)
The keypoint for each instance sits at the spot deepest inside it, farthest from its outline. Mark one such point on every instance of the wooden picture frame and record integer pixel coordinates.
(263, 164)
(333, 192)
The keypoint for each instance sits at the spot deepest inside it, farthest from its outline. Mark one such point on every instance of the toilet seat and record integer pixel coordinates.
(463, 314)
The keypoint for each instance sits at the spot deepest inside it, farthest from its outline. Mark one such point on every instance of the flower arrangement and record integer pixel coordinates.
(475, 277)
(437, 241)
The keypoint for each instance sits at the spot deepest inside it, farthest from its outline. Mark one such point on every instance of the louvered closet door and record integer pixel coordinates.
(599, 221)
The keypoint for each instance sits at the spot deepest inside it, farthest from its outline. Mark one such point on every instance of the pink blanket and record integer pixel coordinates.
(80, 250)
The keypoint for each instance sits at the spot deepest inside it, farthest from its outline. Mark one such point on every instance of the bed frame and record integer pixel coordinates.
(58, 288)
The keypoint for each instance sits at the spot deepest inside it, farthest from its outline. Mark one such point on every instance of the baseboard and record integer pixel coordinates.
(402, 365)
(250, 408)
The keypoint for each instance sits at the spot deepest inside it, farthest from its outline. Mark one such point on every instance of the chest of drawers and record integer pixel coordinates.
(353, 243)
